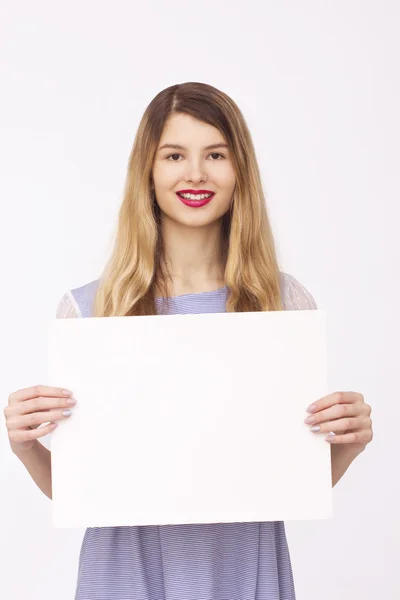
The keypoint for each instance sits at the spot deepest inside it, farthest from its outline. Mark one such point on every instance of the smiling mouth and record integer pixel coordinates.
(195, 197)
(195, 200)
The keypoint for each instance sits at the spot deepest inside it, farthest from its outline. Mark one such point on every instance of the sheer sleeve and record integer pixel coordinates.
(295, 295)
(67, 307)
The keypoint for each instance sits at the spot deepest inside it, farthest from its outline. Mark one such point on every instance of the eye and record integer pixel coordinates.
(212, 154)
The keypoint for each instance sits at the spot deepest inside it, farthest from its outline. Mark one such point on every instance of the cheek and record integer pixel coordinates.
(227, 178)
(222, 207)
(159, 175)
(164, 170)
(223, 200)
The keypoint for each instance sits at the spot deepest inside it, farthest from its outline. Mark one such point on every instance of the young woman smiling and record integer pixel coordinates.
(193, 237)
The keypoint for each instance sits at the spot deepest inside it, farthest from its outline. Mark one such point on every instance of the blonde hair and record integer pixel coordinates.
(128, 283)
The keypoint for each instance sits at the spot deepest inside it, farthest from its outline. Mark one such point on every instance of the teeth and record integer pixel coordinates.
(195, 197)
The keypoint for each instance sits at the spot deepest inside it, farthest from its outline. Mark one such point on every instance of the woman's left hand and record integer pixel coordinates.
(346, 415)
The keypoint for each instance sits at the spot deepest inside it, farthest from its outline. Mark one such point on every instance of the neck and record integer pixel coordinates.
(192, 257)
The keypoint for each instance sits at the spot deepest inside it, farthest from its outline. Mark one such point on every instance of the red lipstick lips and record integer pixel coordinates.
(195, 203)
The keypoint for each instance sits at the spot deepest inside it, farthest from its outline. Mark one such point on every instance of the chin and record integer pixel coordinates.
(194, 217)
(195, 222)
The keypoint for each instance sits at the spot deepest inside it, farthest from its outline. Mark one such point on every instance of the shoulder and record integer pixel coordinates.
(77, 302)
(295, 296)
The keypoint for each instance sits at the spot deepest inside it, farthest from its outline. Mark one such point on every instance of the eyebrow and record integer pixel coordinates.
(178, 147)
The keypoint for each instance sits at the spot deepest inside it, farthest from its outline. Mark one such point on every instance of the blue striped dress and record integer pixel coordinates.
(216, 561)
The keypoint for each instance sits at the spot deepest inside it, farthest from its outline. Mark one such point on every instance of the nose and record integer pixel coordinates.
(196, 173)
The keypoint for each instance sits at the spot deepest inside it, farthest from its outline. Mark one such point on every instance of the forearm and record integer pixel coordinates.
(342, 455)
(37, 461)
(38, 464)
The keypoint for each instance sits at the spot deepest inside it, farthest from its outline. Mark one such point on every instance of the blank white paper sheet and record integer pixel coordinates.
(189, 419)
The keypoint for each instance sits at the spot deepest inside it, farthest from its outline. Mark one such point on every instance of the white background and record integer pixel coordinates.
(319, 86)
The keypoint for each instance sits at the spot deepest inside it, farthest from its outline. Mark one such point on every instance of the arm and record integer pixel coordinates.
(341, 458)
(297, 297)
(37, 460)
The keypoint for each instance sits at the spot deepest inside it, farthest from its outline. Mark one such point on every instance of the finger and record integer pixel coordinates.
(355, 437)
(24, 435)
(41, 404)
(342, 425)
(35, 419)
(37, 405)
(331, 399)
(35, 392)
(337, 411)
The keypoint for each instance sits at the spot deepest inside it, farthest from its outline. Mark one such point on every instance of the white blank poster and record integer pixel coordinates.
(189, 419)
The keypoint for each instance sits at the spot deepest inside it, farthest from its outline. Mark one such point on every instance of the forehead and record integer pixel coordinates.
(188, 131)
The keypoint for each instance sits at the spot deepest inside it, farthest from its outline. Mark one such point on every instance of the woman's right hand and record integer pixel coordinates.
(30, 407)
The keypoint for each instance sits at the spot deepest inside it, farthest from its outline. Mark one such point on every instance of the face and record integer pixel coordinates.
(193, 166)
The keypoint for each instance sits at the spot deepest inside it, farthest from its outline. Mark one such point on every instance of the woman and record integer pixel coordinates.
(193, 237)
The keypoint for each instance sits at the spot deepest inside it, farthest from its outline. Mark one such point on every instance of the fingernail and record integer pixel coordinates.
(330, 437)
(309, 420)
(67, 393)
(315, 428)
(71, 401)
(311, 408)
(67, 413)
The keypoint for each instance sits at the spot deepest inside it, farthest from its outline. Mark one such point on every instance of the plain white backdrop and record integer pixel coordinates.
(319, 86)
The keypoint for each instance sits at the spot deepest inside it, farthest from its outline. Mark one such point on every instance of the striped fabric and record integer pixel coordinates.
(218, 561)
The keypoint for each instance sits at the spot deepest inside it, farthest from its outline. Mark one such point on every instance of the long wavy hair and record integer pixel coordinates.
(128, 283)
